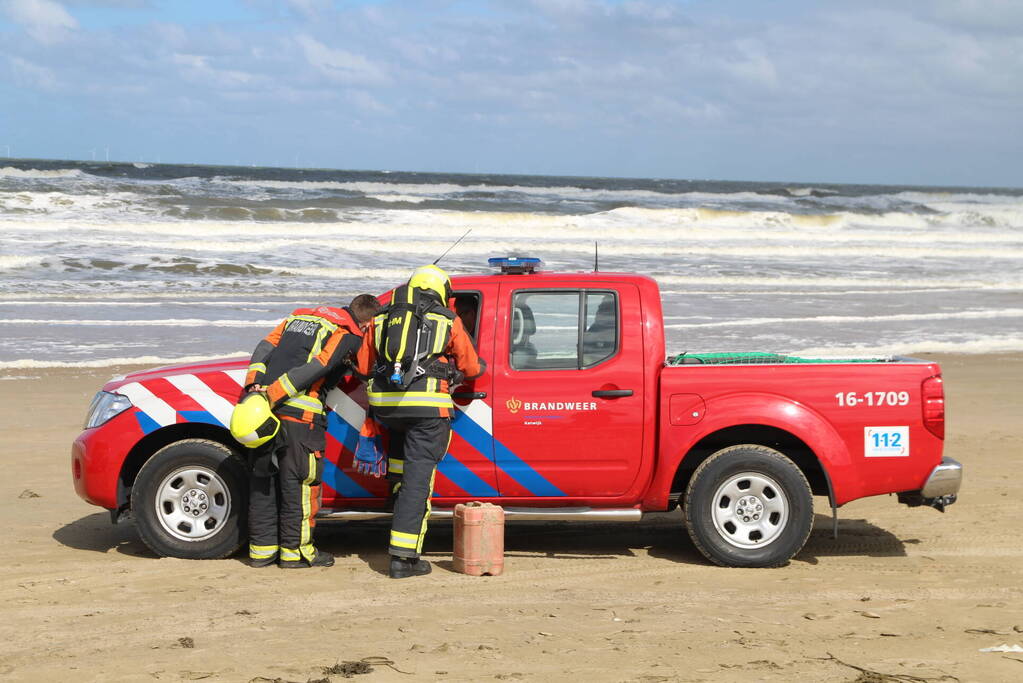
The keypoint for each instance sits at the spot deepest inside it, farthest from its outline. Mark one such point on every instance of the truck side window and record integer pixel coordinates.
(562, 330)
(600, 335)
(467, 306)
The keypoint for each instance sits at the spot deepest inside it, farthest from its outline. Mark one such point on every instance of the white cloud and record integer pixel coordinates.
(197, 68)
(33, 76)
(45, 20)
(341, 66)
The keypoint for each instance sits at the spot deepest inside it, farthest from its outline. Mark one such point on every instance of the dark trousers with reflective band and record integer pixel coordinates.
(284, 496)
(419, 443)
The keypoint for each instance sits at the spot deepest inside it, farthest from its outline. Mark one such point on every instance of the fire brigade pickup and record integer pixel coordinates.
(578, 417)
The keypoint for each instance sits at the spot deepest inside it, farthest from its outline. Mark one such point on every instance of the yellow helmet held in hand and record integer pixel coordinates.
(432, 279)
(252, 421)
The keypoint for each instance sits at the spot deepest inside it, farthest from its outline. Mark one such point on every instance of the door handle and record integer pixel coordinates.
(469, 395)
(612, 393)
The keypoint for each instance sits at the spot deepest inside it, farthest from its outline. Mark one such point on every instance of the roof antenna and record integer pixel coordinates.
(596, 257)
(452, 247)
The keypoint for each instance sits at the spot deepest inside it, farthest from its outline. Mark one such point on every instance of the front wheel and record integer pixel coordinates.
(748, 506)
(190, 500)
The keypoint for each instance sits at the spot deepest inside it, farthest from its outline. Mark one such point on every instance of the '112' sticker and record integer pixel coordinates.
(886, 442)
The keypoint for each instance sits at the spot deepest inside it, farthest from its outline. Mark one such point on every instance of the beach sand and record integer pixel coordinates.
(902, 591)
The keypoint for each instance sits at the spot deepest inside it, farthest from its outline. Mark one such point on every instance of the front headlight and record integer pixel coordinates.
(105, 406)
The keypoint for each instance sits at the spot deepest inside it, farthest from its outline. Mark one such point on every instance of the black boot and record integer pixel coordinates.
(320, 559)
(404, 567)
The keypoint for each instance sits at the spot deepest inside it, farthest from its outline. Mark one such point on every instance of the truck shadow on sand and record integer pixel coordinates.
(96, 533)
(659, 535)
(856, 538)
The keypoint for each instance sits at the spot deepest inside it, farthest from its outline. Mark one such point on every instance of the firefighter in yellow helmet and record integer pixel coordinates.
(293, 368)
(415, 351)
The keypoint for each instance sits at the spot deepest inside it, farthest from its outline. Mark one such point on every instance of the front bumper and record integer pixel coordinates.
(941, 488)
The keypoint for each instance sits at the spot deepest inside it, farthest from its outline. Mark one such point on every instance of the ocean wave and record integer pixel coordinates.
(11, 172)
(864, 284)
(978, 345)
(710, 244)
(121, 301)
(29, 363)
(960, 198)
(433, 191)
(163, 322)
(809, 192)
(993, 314)
(621, 227)
(17, 262)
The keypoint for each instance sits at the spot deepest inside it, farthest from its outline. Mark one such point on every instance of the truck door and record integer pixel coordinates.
(468, 471)
(568, 390)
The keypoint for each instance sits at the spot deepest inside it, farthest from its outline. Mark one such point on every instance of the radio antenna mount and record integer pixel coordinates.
(452, 246)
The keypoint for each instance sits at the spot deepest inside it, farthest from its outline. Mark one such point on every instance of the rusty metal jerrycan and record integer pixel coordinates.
(479, 539)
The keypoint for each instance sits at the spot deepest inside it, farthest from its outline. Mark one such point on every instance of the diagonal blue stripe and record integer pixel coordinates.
(519, 470)
(200, 416)
(342, 431)
(464, 478)
(341, 482)
(512, 465)
(147, 423)
(476, 436)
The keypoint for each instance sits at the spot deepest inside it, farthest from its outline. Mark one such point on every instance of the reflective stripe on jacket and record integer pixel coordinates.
(425, 396)
(298, 357)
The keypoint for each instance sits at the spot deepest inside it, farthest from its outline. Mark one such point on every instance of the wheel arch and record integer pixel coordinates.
(781, 440)
(152, 443)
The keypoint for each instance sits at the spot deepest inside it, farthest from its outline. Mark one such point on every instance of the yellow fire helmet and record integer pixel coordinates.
(432, 279)
(252, 421)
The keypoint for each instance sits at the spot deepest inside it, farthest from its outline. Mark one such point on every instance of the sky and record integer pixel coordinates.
(925, 92)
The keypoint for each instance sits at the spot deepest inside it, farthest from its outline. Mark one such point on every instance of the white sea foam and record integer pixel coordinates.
(710, 243)
(11, 172)
(849, 319)
(173, 322)
(670, 226)
(406, 198)
(121, 301)
(14, 262)
(863, 283)
(976, 345)
(27, 363)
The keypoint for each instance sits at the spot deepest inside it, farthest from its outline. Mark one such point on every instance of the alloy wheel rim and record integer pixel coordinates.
(750, 510)
(192, 503)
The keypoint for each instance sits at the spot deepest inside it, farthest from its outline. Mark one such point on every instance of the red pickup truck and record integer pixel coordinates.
(579, 416)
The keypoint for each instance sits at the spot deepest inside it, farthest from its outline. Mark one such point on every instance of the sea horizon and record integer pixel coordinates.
(110, 262)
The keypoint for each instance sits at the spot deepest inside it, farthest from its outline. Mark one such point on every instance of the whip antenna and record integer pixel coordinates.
(596, 258)
(452, 247)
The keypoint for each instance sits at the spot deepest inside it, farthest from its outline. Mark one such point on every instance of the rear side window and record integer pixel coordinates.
(563, 329)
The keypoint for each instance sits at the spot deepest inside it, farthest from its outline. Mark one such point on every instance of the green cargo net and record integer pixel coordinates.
(758, 358)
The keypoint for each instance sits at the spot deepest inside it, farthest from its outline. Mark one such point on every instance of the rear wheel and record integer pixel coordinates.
(748, 506)
(190, 501)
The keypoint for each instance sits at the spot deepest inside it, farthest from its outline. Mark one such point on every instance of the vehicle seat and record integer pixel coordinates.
(602, 333)
(523, 327)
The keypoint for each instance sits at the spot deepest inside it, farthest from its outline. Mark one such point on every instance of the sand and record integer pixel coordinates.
(902, 591)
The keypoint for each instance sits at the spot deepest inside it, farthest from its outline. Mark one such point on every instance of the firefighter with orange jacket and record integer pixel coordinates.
(414, 352)
(294, 367)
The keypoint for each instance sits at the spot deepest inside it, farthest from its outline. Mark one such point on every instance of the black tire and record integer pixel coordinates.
(190, 500)
(748, 506)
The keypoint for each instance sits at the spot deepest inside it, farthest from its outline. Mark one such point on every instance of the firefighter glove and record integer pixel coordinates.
(369, 453)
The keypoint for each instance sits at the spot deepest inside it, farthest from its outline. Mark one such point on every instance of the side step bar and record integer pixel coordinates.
(514, 514)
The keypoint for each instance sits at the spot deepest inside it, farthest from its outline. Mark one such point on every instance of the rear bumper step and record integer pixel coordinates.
(941, 488)
(580, 514)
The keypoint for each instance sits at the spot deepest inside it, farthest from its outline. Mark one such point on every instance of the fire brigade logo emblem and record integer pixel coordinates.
(513, 404)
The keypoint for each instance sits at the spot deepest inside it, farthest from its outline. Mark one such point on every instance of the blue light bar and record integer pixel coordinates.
(516, 265)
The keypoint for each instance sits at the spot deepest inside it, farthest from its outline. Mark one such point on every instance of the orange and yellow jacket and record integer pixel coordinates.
(303, 358)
